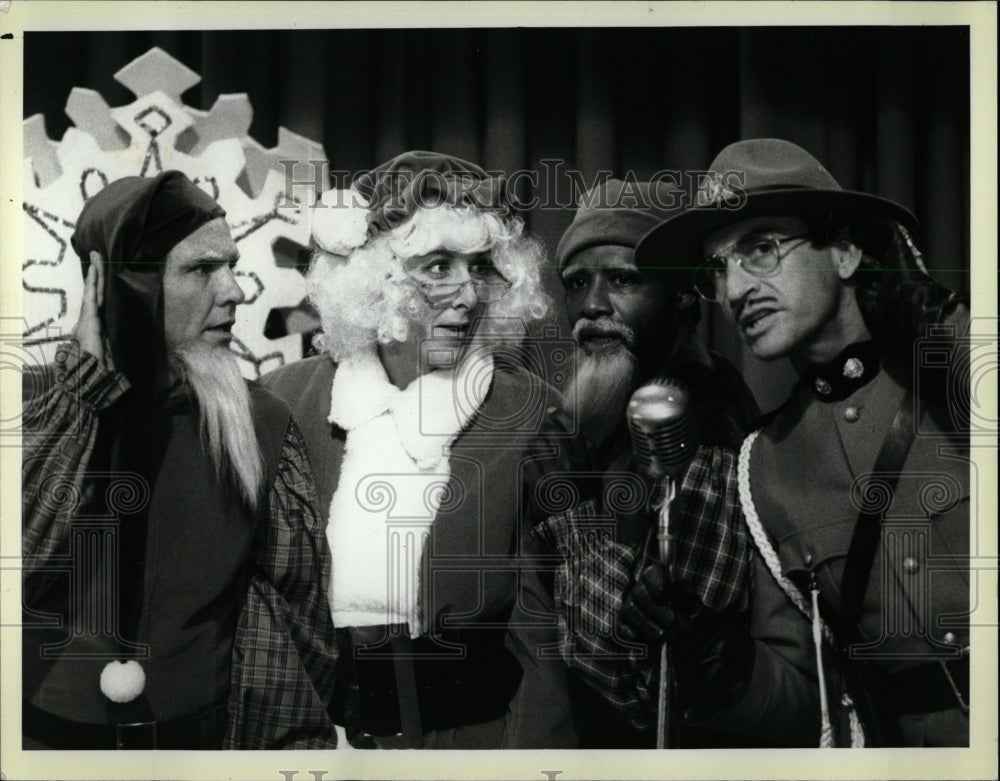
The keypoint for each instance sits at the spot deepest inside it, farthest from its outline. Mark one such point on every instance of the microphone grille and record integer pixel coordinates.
(664, 437)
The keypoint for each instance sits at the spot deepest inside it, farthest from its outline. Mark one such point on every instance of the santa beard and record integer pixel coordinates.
(605, 378)
(223, 399)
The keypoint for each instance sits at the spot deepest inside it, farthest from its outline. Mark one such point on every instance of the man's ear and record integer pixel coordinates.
(846, 258)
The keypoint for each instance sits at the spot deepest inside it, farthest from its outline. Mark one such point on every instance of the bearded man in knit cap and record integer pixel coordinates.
(631, 329)
(168, 509)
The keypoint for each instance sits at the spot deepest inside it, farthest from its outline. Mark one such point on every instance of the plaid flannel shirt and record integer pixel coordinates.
(284, 658)
(712, 564)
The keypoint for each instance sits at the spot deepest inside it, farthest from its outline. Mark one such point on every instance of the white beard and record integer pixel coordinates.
(213, 375)
(600, 391)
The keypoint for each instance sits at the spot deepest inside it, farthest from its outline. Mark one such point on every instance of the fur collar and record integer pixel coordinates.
(393, 476)
(428, 414)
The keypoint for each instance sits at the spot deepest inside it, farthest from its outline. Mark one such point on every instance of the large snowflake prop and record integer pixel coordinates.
(156, 133)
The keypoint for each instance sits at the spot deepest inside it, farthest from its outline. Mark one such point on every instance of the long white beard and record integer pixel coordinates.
(227, 431)
(601, 389)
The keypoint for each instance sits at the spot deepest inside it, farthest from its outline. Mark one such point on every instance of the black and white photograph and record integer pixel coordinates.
(573, 382)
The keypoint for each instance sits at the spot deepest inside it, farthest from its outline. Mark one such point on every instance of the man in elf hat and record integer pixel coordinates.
(169, 509)
(632, 329)
(422, 441)
(856, 490)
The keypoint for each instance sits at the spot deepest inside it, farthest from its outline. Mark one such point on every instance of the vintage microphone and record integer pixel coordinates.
(664, 440)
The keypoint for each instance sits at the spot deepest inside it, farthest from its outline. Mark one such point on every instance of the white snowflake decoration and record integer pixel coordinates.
(156, 133)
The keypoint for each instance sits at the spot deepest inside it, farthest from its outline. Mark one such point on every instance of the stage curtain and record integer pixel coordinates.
(886, 109)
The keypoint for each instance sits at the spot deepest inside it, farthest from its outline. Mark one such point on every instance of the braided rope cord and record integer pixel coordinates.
(819, 628)
(826, 729)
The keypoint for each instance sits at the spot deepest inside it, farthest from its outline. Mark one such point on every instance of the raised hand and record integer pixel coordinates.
(88, 331)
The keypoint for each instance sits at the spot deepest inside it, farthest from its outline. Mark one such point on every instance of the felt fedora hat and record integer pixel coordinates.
(756, 178)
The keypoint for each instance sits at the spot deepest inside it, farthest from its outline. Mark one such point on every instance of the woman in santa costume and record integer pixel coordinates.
(423, 435)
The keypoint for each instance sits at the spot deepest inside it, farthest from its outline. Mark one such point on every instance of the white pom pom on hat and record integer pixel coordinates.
(339, 221)
(122, 681)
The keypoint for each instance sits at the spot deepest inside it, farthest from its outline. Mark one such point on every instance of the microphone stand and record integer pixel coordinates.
(665, 728)
(664, 440)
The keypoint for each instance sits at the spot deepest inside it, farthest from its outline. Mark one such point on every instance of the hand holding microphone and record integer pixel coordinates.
(706, 657)
(664, 441)
(711, 654)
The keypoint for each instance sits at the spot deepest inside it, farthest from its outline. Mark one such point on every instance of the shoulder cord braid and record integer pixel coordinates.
(811, 612)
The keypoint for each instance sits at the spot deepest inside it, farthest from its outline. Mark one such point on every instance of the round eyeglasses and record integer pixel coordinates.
(487, 283)
(757, 255)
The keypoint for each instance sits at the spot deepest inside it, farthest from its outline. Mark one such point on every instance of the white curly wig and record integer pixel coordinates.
(365, 298)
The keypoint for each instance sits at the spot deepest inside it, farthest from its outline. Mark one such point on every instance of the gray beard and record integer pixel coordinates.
(600, 390)
(227, 432)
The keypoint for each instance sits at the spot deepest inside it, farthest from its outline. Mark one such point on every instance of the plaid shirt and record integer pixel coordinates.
(284, 655)
(712, 563)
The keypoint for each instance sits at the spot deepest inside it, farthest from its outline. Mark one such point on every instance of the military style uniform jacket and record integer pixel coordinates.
(811, 471)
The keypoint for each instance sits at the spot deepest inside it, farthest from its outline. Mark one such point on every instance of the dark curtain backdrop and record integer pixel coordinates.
(886, 109)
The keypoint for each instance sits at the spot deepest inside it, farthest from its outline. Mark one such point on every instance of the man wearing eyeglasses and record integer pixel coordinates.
(856, 490)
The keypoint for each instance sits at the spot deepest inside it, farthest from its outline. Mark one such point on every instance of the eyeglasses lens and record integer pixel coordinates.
(443, 293)
(758, 255)
(710, 278)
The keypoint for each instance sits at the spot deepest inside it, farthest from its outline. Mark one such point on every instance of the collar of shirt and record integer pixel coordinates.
(855, 366)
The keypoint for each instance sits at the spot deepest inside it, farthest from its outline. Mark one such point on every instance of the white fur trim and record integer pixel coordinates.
(338, 221)
(360, 391)
(394, 472)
